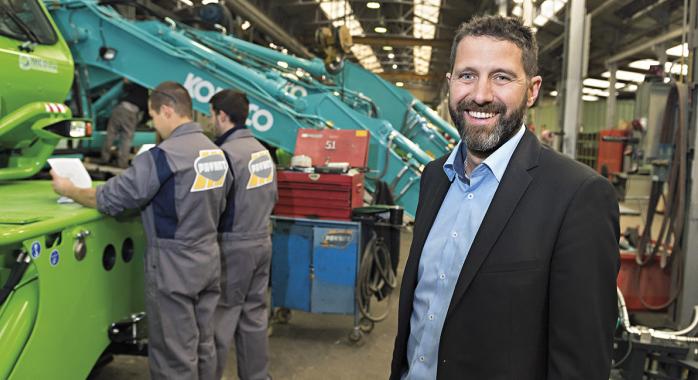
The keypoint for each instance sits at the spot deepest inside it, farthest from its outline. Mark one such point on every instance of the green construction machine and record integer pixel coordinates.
(70, 278)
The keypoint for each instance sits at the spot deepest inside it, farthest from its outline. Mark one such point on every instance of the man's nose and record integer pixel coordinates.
(483, 92)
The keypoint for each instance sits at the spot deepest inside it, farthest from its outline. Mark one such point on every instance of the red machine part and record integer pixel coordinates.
(651, 283)
(610, 153)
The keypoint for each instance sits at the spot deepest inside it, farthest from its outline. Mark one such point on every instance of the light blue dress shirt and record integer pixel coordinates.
(445, 251)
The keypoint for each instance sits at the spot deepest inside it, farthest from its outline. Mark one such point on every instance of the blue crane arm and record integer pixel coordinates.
(150, 52)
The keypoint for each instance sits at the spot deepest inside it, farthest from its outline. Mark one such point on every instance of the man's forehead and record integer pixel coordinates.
(487, 51)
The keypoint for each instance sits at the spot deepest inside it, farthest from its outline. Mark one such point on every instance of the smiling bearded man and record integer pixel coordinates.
(512, 269)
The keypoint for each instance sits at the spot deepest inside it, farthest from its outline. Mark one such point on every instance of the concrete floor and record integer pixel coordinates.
(309, 347)
(315, 347)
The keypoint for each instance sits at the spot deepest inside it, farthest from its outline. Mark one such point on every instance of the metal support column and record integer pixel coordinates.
(574, 51)
(689, 290)
(611, 101)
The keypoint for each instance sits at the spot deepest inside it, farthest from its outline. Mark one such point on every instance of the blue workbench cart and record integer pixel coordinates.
(314, 267)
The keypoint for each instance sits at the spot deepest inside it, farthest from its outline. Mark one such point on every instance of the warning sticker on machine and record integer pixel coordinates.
(337, 238)
(211, 168)
(28, 62)
(36, 249)
(261, 169)
(53, 259)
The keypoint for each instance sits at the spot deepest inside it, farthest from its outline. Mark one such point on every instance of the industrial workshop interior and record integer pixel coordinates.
(348, 189)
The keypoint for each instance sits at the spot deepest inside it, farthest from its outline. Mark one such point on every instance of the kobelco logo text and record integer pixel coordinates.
(202, 90)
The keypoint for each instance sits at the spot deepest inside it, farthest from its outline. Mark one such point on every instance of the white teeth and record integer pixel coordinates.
(481, 115)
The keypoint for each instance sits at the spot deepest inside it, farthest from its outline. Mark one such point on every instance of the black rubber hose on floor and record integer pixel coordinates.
(376, 278)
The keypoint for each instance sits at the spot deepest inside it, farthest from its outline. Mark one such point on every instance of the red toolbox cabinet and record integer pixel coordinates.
(321, 196)
(324, 196)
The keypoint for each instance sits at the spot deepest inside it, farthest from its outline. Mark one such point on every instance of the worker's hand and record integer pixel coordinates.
(61, 185)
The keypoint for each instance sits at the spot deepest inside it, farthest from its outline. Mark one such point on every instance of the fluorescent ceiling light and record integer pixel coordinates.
(517, 11)
(245, 25)
(594, 91)
(675, 68)
(394, 66)
(391, 55)
(209, 2)
(676, 50)
(553, 93)
(340, 13)
(626, 76)
(187, 2)
(593, 82)
(387, 48)
(540, 20)
(380, 29)
(518, 1)
(426, 16)
(630, 88)
(373, 5)
(589, 98)
(399, 84)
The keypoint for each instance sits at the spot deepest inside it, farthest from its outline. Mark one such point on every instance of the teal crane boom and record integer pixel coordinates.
(150, 52)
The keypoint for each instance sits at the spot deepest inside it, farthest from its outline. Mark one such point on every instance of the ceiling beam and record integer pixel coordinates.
(409, 76)
(398, 41)
(265, 24)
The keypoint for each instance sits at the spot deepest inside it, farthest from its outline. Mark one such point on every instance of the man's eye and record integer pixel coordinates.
(466, 76)
(502, 78)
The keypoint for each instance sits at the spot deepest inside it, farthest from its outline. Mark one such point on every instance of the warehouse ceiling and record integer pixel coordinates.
(408, 41)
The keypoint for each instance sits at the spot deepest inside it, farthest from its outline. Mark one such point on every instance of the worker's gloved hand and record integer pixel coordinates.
(61, 185)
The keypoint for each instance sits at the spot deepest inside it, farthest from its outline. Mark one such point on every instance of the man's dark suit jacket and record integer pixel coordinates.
(536, 297)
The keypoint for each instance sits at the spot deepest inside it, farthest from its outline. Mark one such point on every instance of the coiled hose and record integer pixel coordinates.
(376, 278)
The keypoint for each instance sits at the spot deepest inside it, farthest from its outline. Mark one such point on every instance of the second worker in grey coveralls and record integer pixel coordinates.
(244, 240)
(180, 186)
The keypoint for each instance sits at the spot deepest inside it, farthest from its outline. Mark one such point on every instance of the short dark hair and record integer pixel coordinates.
(233, 103)
(174, 95)
(501, 28)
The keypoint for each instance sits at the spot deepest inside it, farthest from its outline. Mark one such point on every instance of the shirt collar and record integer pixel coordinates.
(497, 161)
(190, 127)
(222, 138)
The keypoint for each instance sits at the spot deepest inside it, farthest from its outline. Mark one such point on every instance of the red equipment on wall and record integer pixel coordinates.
(324, 196)
(610, 153)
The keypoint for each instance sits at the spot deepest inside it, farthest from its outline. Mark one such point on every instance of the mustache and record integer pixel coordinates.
(469, 105)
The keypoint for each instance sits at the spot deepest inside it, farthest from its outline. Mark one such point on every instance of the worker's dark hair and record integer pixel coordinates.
(171, 94)
(501, 28)
(232, 103)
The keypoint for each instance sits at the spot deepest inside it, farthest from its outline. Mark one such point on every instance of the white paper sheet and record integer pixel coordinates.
(74, 170)
(145, 148)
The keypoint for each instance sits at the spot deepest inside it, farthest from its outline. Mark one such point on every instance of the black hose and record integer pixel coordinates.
(376, 278)
(16, 274)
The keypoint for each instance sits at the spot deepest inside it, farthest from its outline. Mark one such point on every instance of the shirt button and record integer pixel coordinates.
(470, 196)
(454, 234)
(442, 276)
(422, 358)
(431, 317)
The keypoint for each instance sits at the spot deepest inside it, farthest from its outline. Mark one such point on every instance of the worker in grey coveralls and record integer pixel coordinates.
(123, 122)
(244, 239)
(181, 186)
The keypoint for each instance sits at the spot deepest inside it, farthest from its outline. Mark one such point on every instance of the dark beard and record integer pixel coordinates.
(479, 140)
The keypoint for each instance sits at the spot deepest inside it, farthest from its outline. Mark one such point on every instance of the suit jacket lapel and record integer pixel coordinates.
(512, 187)
(434, 196)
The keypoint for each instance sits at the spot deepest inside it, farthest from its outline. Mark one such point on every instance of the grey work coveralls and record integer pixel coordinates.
(246, 253)
(180, 186)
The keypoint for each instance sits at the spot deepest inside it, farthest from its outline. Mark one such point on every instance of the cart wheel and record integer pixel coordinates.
(366, 325)
(355, 335)
(282, 315)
